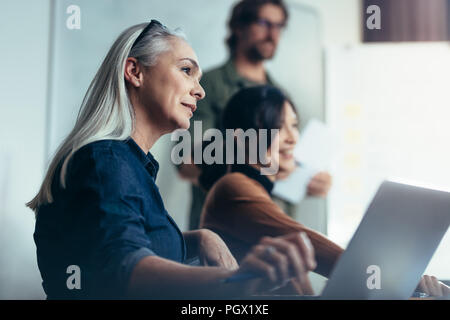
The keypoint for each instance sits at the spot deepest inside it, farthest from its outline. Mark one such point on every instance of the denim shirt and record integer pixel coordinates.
(109, 216)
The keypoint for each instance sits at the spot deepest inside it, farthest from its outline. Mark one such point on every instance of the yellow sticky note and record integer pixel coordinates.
(352, 110)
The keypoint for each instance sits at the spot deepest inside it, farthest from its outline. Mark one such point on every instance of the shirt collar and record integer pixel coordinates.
(254, 174)
(147, 160)
(234, 77)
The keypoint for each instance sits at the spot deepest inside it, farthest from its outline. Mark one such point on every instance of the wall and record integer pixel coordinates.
(24, 34)
(340, 19)
(388, 109)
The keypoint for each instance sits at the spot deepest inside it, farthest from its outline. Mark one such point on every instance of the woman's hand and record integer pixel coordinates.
(278, 260)
(319, 185)
(433, 287)
(212, 251)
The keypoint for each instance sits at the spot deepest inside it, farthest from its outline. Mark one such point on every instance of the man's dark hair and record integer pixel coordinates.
(246, 12)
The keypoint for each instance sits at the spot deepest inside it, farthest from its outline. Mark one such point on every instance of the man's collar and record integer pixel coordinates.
(234, 77)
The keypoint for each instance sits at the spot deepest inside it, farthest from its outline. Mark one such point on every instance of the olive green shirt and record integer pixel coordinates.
(220, 84)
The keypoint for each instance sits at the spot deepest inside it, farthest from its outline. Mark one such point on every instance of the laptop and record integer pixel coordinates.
(393, 244)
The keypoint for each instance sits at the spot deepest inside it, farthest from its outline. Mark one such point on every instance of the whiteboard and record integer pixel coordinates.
(388, 109)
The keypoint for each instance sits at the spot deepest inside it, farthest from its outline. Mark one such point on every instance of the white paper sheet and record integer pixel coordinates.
(313, 152)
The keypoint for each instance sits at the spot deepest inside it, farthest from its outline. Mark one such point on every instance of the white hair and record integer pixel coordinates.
(106, 111)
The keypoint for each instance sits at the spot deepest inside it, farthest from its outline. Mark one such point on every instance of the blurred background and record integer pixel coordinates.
(383, 93)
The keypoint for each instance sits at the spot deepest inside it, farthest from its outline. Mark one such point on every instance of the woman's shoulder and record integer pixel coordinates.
(233, 178)
(102, 151)
(100, 158)
(101, 147)
(237, 183)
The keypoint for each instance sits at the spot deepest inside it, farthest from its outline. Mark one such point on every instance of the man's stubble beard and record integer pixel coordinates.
(255, 55)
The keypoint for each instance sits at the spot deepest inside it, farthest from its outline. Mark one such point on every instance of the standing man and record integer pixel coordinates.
(255, 28)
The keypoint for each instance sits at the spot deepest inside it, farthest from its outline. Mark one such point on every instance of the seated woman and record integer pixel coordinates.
(238, 206)
(101, 227)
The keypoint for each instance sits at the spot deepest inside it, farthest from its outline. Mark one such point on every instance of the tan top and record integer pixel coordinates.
(240, 210)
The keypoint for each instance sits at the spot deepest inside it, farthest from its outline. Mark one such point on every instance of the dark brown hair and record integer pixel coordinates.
(258, 107)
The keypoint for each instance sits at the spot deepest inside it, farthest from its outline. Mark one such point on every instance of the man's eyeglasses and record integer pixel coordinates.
(146, 29)
(268, 25)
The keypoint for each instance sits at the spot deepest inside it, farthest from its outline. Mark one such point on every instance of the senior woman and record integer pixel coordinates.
(99, 211)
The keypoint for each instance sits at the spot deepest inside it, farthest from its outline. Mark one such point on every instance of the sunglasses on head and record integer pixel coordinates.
(152, 24)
